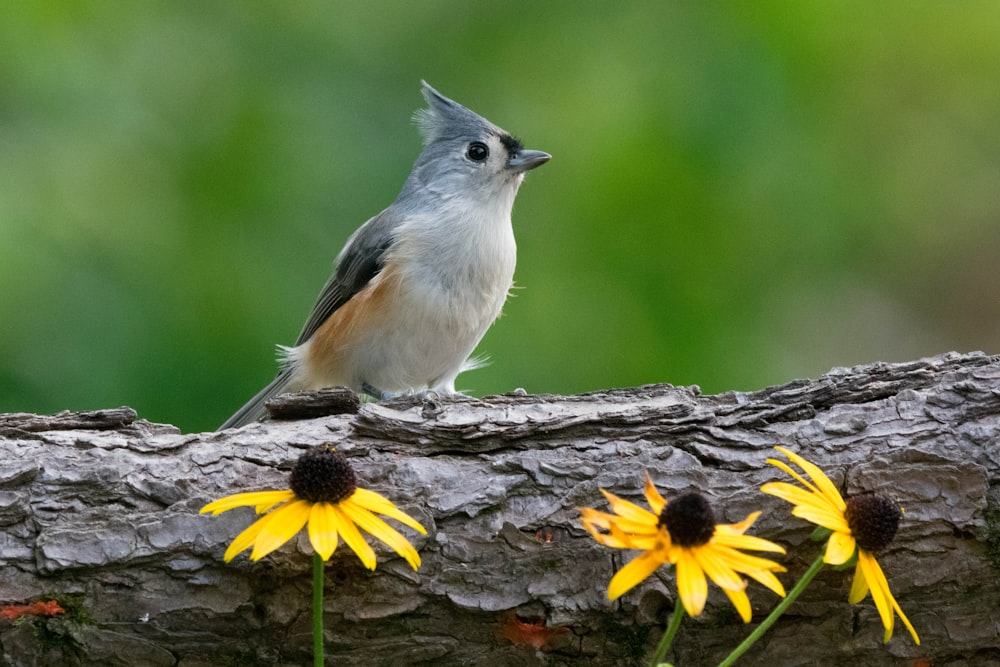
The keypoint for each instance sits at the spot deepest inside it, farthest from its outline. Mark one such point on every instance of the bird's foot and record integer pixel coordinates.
(378, 394)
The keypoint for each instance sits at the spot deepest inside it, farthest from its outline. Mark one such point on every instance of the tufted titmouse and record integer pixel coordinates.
(416, 287)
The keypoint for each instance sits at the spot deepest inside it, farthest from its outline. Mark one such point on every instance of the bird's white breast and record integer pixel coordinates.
(453, 272)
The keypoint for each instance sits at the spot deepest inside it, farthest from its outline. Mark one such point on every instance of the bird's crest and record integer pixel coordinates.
(444, 118)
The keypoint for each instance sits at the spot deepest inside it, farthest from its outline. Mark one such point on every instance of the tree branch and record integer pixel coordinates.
(99, 511)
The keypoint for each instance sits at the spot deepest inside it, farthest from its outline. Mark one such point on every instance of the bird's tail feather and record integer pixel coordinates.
(254, 410)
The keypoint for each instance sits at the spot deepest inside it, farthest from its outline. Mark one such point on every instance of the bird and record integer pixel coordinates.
(416, 287)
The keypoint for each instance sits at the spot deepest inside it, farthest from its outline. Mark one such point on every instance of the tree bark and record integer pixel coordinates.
(99, 511)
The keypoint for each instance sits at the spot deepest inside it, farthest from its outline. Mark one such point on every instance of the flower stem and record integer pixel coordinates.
(774, 615)
(668, 635)
(318, 657)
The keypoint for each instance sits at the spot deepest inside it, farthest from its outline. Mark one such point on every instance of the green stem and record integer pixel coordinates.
(774, 615)
(318, 657)
(668, 635)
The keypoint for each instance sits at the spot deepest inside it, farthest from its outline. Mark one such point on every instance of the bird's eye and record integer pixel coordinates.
(478, 151)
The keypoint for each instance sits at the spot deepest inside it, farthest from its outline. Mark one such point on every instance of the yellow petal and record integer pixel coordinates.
(595, 518)
(612, 540)
(789, 492)
(810, 506)
(746, 563)
(280, 526)
(818, 477)
(632, 574)
(691, 584)
(267, 506)
(593, 521)
(382, 505)
(737, 541)
(653, 497)
(903, 618)
(834, 521)
(322, 530)
(623, 530)
(645, 542)
(634, 527)
(879, 590)
(784, 467)
(796, 495)
(741, 602)
(629, 510)
(245, 539)
(882, 596)
(382, 531)
(767, 578)
(793, 494)
(606, 521)
(615, 540)
(247, 500)
(631, 540)
(859, 587)
(839, 548)
(714, 564)
(352, 537)
(737, 528)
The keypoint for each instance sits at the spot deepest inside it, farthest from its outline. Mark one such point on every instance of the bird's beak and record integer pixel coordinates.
(525, 160)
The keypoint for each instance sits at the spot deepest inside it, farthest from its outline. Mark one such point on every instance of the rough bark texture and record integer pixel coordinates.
(100, 512)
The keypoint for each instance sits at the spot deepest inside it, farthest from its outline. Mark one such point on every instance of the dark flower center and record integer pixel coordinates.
(873, 520)
(689, 520)
(322, 475)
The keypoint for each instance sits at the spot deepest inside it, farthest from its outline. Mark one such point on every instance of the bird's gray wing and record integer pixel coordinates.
(361, 259)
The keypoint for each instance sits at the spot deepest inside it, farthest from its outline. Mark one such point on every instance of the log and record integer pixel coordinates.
(99, 513)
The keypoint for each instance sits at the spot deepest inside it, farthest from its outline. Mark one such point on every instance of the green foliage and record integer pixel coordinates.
(740, 193)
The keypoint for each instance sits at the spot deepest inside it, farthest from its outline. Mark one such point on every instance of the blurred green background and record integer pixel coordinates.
(740, 194)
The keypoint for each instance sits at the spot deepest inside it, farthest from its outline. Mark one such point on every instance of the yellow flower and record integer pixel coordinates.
(862, 524)
(684, 533)
(324, 496)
